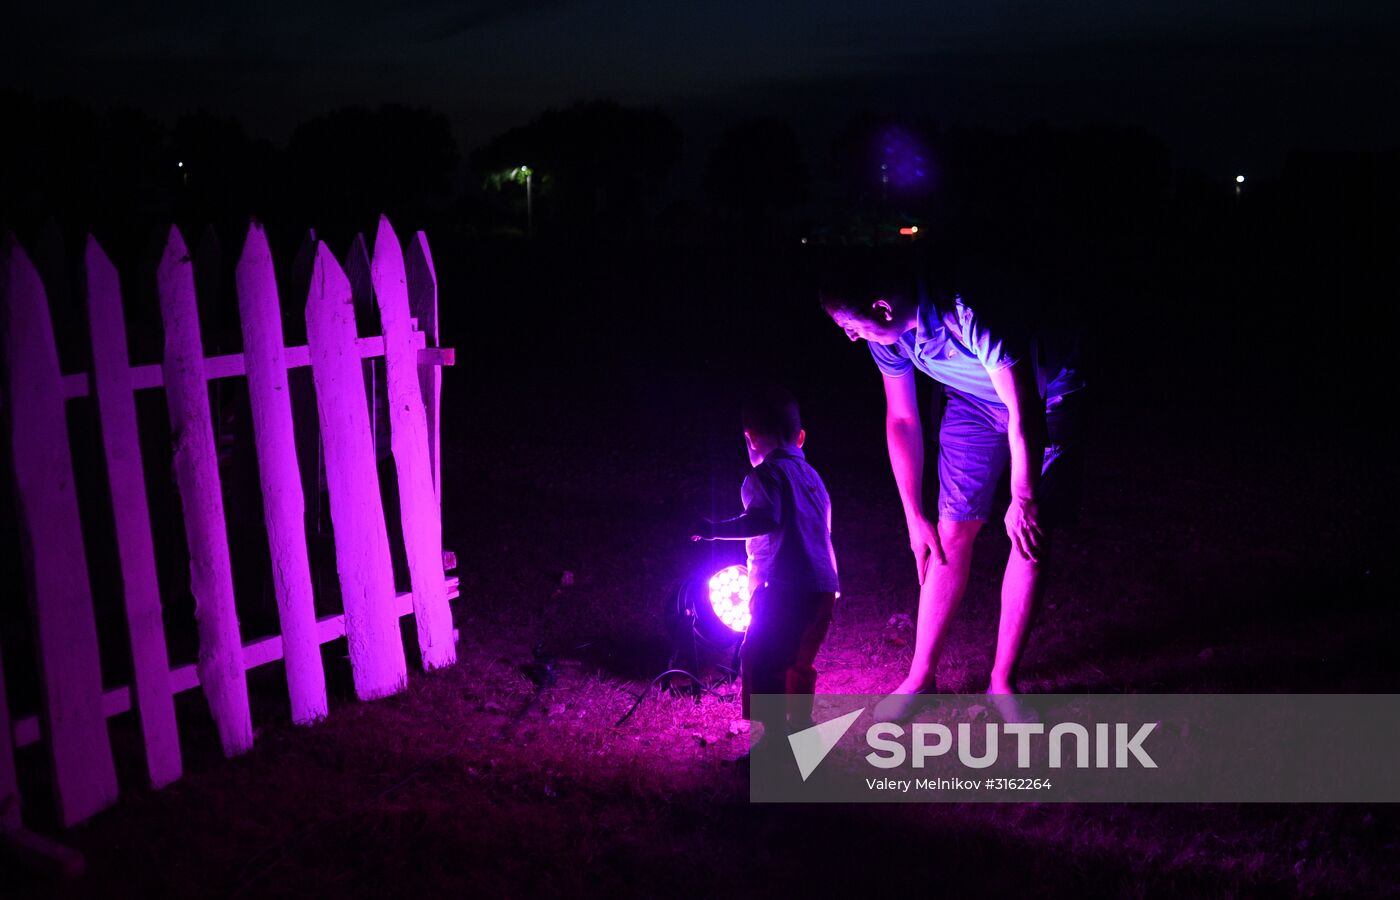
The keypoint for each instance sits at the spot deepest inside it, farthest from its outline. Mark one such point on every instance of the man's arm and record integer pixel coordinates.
(905, 435)
(1026, 433)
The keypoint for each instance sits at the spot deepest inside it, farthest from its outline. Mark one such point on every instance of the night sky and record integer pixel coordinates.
(1228, 85)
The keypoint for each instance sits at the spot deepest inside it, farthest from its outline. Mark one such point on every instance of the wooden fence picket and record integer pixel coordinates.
(362, 295)
(418, 505)
(423, 306)
(221, 672)
(357, 514)
(283, 503)
(116, 405)
(83, 772)
(312, 443)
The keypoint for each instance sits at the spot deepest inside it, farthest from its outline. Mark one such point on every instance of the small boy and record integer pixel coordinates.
(792, 567)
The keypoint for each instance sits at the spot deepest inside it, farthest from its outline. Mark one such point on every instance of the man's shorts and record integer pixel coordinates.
(973, 453)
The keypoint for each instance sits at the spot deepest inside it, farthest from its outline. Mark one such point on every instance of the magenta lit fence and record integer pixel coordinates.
(75, 705)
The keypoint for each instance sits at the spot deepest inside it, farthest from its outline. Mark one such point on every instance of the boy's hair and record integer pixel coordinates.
(850, 279)
(771, 410)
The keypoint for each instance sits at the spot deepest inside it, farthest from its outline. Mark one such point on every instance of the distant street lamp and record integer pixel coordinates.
(527, 174)
(1239, 185)
(519, 175)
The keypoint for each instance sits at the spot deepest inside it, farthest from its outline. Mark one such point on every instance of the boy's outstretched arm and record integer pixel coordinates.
(751, 523)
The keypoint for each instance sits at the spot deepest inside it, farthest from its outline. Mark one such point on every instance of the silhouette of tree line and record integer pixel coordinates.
(602, 171)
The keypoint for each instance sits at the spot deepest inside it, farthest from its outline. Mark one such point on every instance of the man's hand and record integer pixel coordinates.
(1023, 527)
(702, 530)
(923, 540)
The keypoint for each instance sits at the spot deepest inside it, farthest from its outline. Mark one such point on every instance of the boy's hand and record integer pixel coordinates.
(702, 530)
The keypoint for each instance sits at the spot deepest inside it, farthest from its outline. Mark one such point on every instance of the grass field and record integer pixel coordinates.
(481, 781)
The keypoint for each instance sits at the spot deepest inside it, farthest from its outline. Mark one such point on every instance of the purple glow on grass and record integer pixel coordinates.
(729, 597)
(902, 162)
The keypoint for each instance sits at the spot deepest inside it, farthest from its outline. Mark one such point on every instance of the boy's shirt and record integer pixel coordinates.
(798, 556)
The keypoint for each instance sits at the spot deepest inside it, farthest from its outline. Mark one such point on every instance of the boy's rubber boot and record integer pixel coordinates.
(800, 711)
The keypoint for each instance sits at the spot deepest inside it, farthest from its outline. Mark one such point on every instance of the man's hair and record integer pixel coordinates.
(771, 410)
(850, 279)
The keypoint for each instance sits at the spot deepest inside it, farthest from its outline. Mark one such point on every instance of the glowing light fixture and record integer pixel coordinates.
(706, 615)
(729, 598)
(1239, 179)
(909, 230)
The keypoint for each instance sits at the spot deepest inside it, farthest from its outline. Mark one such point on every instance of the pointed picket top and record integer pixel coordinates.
(357, 270)
(84, 776)
(418, 507)
(196, 466)
(283, 504)
(175, 254)
(388, 259)
(357, 514)
(255, 248)
(97, 264)
(256, 257)
(330, 291)
(116, 405)
(423, 305)
(422, 286)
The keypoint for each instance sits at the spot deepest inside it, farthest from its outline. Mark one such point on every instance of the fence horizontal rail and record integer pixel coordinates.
(79, 384)
(258, 653)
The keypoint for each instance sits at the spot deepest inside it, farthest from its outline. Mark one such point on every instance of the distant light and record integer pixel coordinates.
(804, 240)
(180, 164)
(1239, 179)
(903, 165)
(910, 230)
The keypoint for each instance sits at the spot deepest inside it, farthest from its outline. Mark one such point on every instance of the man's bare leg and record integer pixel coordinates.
(1021, 589)
(939, 598)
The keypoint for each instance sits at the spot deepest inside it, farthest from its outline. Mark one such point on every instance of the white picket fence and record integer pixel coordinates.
(75, 706)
